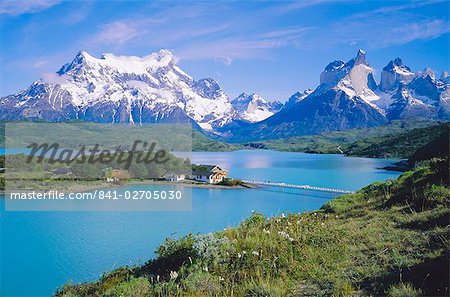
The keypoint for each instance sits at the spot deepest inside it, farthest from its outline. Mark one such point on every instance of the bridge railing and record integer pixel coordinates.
(305, 187)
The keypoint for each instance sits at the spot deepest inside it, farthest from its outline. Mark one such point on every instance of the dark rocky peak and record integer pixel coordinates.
(394, 64)
(335, 65)
(428, 72)
(80, 61)
(360, 59)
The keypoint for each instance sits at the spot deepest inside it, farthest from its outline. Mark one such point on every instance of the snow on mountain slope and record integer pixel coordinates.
(401, 93)
(122, 89)
(404, 105)
(355, 78)
(297, 97)
(253, 108)
(153, 89)
(341, 101)
(395, 73)
(406, 94)
(349, 97)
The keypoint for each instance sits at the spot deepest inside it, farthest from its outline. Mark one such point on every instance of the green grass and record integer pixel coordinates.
(389, 238)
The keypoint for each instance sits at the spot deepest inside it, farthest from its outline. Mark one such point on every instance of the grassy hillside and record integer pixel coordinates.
(390, 238)
(402, 145)
(370, 142)
(91, 132)
(202, 143)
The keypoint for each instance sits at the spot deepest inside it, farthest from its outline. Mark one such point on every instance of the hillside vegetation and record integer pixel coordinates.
(390, 238)
(403, 145)
(202, 143)
(399, 139)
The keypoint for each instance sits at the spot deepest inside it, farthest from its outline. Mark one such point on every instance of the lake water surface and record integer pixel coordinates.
(42, 250)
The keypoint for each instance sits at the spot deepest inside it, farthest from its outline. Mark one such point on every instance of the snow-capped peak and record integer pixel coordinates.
(361, 58)
(297, 97)
(121, 64)
(130, 89)
(395, 73)
(355, 78)
(428, 72)
(254, 108)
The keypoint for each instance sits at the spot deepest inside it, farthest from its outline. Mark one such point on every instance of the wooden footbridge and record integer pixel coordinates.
(294, 186)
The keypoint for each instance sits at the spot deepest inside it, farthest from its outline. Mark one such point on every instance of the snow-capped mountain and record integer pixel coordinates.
(122, 89)
(349, 97)
(408, 94)
(153, 89)
(253, 108)
(297, 97)
(394, 74)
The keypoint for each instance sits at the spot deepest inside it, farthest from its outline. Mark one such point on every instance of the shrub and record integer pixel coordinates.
(172, 254)
(136, 287)
(437, 195)
(403, 290)
(231, 182)
(208, 246)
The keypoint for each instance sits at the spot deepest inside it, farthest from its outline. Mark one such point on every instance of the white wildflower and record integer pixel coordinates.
(173, 275)
(283, 215)
(266, 231)
(255, 253)
(284, 234)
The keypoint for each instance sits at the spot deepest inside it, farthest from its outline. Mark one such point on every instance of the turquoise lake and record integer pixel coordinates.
(40, 251)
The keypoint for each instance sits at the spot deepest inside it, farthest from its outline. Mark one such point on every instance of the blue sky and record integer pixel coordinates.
(273, 48)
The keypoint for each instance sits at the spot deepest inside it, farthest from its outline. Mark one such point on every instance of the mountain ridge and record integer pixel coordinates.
(348, 97)
(153, 89)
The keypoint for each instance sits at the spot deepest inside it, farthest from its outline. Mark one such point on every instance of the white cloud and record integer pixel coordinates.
(227, 50)
(53, 78)
(39, 63)
(115, 33)
(17, 7)
(417, 31)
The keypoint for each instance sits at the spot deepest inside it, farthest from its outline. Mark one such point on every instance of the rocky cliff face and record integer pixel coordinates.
(341, 101)
(394, 74)
(349, 97)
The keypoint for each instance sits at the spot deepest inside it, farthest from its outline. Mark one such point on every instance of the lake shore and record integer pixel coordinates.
(85, 186)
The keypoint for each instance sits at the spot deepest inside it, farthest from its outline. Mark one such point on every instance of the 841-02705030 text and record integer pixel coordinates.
(98, 195)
